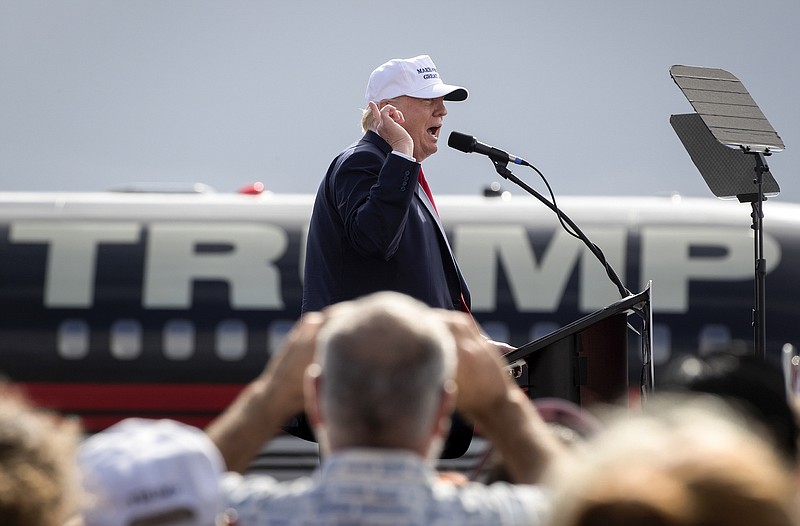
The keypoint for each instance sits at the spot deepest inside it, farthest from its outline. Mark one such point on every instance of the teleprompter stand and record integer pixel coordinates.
(728, 140)
(586, 361)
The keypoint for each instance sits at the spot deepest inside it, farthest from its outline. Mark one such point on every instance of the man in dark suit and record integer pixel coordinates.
(374, 225)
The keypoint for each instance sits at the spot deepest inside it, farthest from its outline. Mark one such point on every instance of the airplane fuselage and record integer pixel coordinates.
(165, 304)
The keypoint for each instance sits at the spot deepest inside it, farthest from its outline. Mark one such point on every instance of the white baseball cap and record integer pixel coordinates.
(415, 77)
(140, 469)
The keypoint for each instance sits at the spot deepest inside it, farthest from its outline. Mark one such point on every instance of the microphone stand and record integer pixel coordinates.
(645, 312)
(502, 169)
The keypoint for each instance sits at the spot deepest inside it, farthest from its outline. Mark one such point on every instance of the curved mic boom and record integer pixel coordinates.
(469, 144)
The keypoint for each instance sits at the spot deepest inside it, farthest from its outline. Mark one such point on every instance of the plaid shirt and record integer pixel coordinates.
(379, 487)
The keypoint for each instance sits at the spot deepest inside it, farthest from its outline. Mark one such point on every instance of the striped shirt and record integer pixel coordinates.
(380, 487)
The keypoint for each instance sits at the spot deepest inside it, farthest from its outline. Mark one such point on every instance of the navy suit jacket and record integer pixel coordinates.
(373, 228)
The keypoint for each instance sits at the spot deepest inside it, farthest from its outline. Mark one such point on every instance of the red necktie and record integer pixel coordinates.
(427, 189)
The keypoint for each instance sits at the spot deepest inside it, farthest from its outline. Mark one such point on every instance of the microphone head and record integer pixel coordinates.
(461, 142)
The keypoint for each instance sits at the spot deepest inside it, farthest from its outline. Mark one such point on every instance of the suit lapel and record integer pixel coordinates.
(431, 211)
(443, 237)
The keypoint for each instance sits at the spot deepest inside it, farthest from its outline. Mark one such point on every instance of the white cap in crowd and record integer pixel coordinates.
(416, 77)
(150, 470)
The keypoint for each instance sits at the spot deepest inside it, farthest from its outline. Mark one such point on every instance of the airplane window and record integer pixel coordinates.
(496, 330)
(126, 339)
(662, 343)
(543, 328)
(179, 339)
(714, 337)
(73, 339)
(277, 332)
(231, 340)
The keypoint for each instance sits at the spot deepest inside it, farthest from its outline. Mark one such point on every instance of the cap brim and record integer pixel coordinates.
(457, 95)
(451, 93)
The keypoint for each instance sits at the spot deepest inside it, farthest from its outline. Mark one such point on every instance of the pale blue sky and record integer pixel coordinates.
(97, 93)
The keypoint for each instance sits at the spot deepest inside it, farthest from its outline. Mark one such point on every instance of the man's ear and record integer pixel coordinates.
(312, 383)
(447, 406)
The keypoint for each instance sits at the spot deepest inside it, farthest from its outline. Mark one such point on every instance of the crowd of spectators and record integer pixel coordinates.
(378, 379)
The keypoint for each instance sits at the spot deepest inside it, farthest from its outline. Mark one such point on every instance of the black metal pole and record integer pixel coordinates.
(759, 313)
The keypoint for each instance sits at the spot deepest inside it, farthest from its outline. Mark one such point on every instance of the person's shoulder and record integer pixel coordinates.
(503, 489)
(370, 145)
(236, 486)
(373, 141)
(250, 495)
(510, 501)
(256, 491)
(367, 155)
(361, 153)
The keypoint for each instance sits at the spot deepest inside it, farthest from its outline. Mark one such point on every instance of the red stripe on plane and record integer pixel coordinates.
(126, 397)
(95, 423)
(100, 405)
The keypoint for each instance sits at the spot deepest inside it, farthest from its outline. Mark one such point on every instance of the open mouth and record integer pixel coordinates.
(434, 131)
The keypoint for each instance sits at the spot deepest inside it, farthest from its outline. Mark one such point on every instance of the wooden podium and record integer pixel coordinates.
(586, 362)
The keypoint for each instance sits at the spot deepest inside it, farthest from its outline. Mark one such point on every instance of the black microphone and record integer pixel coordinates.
(468, 144)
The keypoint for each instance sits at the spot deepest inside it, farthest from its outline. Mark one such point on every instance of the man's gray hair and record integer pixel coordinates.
(385, 360)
